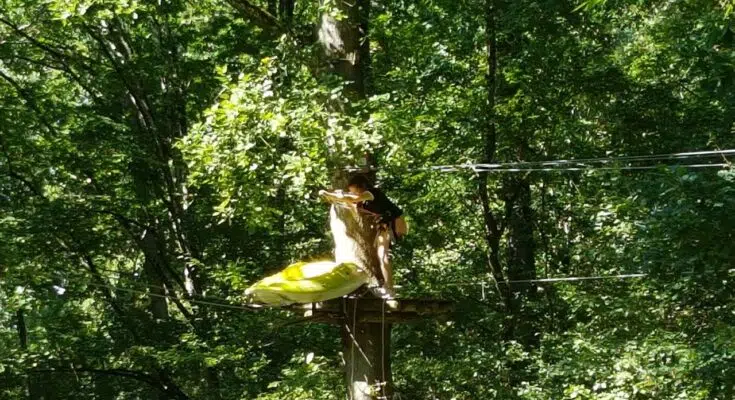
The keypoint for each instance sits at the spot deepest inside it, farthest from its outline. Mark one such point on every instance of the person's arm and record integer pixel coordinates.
(347, 197)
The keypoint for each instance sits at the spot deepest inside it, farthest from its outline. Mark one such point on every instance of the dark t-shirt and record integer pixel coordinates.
(381, 206)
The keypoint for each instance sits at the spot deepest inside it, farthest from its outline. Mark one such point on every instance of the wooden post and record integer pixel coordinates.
(366, 324)
(366, 353)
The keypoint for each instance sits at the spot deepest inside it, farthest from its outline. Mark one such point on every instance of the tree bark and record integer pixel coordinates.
(345, 43)
(521, 243)
(517, 220)
(521, 255)
(354, 237)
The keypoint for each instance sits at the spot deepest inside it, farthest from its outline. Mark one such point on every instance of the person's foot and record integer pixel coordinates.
(383, 293)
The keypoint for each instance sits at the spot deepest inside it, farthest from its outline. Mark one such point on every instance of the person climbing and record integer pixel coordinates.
(389, 217)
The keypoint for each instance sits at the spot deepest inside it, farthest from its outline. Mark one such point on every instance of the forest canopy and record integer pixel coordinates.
(158, 157)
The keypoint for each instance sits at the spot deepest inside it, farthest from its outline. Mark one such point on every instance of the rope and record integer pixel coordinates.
(352, 347)
(130, 279)
(382, 348)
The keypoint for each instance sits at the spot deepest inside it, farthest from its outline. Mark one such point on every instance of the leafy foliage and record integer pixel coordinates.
(170, 148)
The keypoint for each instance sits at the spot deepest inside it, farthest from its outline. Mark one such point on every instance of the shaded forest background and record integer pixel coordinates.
(172, 148)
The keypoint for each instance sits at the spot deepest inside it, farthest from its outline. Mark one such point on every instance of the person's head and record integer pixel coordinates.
(358, 184)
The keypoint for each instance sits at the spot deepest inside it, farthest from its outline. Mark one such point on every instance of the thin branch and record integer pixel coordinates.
(30, 102)
(109, 294)
(139, 102)
(66, 69)
(126, 222)
(14, 174)
(155, 382)
(62, 57)
(114, 372)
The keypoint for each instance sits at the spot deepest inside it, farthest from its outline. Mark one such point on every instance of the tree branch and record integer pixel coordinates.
(262, 18)
(66, 69)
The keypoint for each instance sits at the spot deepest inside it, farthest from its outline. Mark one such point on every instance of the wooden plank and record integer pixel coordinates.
(375, 318)
(418, 306)
(371, 310)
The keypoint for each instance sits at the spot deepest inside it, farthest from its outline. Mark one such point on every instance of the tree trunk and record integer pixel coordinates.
(285, 11)
(31, 381)
(493, 231)
(273, 7)
(366, 345)
(521, 243)
(518, 218)
(153, 272)
(521, 262)
(354, 238)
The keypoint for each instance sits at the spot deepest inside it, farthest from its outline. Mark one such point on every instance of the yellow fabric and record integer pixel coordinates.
(304, 282)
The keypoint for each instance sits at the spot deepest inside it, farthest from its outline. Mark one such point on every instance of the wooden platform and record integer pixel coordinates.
(375, 310)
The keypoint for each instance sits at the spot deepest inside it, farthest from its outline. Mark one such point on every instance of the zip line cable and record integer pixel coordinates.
(584, 163)
(483, 284)
(249, 307)
(128, 279)
(225, 303)
(607, 160)
(550, 280)
(475, 168)
(521, 166)
(532, 168)
(131, 277)
(566, 279)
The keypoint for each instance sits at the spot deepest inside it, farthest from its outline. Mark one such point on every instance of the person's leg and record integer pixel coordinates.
(383, 243)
